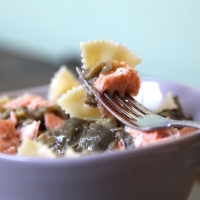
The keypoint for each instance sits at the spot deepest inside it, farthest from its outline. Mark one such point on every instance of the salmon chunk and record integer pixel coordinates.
(28, 100)
(123, 79)
(9, 140)
(143, 138)
(52, 121)
(185, 131)
(30, 131)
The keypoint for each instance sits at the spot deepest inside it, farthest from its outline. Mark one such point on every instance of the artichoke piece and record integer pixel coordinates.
(126, 137)
(83, 136)
(89, 98)
(68, 134)
(5, 114)
(123, 136)
(176, 114)
(102, 67)
(96, 70)
(97, 138)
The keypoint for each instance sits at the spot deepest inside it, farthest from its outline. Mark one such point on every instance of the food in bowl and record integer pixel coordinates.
(71, 122)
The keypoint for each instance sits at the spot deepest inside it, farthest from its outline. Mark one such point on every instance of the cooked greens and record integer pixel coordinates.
(84, 136)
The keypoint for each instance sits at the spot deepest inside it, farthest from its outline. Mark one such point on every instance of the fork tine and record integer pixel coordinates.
(137, 105)
(127, 105)
(115, 104)
(126, 119)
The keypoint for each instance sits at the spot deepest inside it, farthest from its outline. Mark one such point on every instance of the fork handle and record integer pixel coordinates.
(185, 123)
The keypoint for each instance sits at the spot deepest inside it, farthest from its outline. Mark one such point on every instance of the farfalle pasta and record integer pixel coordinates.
(71, 102)
(62, 81)
(103, 50)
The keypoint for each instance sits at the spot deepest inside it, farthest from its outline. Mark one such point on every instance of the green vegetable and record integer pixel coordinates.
(84, 136)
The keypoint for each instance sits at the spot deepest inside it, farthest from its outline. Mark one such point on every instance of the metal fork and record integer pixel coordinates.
(131, 113)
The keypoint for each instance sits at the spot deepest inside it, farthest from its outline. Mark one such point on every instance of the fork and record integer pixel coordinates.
(133, 114)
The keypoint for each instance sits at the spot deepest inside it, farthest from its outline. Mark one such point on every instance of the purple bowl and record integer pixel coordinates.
(166, 170)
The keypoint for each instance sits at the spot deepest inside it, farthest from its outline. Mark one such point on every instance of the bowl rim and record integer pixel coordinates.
(157, 79)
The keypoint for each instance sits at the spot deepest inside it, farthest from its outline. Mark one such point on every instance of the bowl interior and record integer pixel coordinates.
(153, 93)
